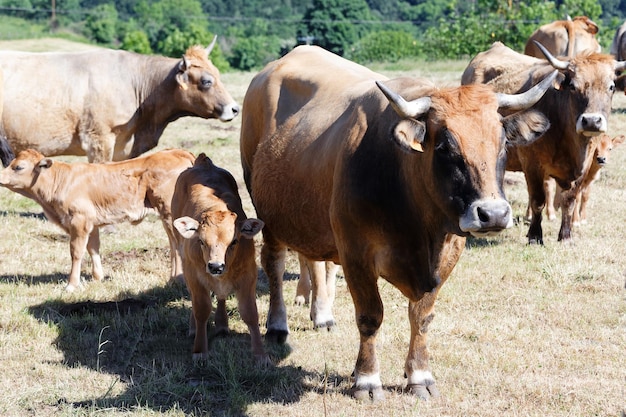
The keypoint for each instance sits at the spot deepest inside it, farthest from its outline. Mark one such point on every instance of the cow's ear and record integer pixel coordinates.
(558, 81)
(251, 227)
(182, 77)
(45, 163)
(618, 139)
(409, 135)
(525, 127)
(186, 226)
(620, 83)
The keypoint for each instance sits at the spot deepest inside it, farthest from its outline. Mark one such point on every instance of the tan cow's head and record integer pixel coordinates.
(458, 141)
(217, 233)
(603, 145)
(22, 172)
(201, 92)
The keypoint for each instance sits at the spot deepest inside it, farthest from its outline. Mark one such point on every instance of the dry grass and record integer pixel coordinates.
(519, 330)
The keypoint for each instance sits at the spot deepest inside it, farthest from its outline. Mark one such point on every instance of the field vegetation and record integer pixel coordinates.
(519, 330)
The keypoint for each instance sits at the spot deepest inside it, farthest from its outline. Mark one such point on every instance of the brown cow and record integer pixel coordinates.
(384, 187)
(218, 251)
(565, 38)
(598, 155)
(578, 109)
(106, 104)
(82, 197)
(618, 46)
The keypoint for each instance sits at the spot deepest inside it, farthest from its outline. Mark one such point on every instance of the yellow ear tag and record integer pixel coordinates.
(417, 146)
(183, 86)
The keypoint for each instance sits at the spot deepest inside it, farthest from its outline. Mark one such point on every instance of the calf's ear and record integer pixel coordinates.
(525, 127)
(186, 226)
(251, 227)
(409, 135)
(45, 163)
(618, 139)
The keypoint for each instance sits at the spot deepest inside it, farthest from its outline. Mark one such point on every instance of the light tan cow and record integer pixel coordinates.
(82, 197)
(565, 38)
(390, 176)
(109, 105)
(216, 242)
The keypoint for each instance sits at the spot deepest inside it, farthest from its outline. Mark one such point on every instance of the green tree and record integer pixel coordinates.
(136, 41)
(336, 24)
(386, 45)
(254, 52)
(101, 23)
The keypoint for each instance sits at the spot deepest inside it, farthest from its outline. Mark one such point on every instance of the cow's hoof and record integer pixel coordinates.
(423, 392)
(221, 331)
(328, 325)
(199, 358)
(368, 394)
(263, 361)
(70, 287)
(300, 300)
(276, 336)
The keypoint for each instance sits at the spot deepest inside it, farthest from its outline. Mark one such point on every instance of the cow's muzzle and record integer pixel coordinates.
(486, 217)
(591, 124)
(215, 268)
(229, 112)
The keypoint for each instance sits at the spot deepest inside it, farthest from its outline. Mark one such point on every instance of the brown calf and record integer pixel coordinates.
(82, 197)
(218, 251)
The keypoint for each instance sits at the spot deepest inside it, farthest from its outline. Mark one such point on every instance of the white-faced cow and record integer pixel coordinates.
(565, 38)
(216, 240)
(106, 104)
(82, 197)
(578, 109)
(385, 187)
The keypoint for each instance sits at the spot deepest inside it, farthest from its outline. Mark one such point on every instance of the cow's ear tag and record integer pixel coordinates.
(181, 79)
(409, 134)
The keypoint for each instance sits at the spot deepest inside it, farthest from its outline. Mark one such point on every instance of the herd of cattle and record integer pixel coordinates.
(324, 144)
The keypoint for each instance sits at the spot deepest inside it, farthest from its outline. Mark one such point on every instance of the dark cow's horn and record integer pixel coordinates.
(405, 109)
(556, 63)
(528, 98)
(620, 65)
(210, 47)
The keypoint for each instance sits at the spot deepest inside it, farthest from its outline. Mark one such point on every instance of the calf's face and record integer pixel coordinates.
(23, 171)
(217, 234)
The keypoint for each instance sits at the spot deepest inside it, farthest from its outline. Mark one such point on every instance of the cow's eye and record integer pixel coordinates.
(234, 242)
(18, 168)
(206, 82)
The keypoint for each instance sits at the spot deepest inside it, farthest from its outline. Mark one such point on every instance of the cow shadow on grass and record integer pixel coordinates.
(34, 280)
(143, 340)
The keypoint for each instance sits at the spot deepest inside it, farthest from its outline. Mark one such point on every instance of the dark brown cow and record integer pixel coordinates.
(106, 104)
(82, 197)
(386, 188)
(565, 38)
(618, 46)
(578, 110)
(216, 239)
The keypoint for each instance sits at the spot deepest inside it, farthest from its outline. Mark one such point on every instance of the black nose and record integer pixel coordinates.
(216, 268)
(236, 109)
(592, 122)
(601, 160)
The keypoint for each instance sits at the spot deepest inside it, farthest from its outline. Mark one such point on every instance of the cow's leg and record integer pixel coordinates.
(273, 260)
(246, 301)
(303, 290)
(568, 204)
(420, 381)
(79, 234)
(98, 147)
(368, 306)
(176, 262)
(93, 247)
(201, 308)
(331, 279)
(537, 197)
(321, 303)
(580, 212)
(550, 190)
(221, 317)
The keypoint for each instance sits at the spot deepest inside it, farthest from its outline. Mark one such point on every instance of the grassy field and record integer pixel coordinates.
(519, 330)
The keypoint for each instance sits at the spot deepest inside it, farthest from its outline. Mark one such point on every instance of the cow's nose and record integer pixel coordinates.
(601, 160)
(592, 122)
(236, 109)
(215, 268)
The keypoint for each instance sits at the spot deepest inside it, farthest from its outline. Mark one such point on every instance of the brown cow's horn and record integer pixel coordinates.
(210, 47)
(405, 109)
(525, 100)
(556, 63)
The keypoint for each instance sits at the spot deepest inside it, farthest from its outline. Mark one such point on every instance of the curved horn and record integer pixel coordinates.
(528, 98)
(405, 109)
(620, 65)
(556, 63)
(210, 47)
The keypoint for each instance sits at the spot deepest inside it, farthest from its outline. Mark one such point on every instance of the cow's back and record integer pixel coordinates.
(324, 99)
(565, 38)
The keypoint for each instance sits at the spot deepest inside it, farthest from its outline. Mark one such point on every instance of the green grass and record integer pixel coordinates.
(519, 330)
